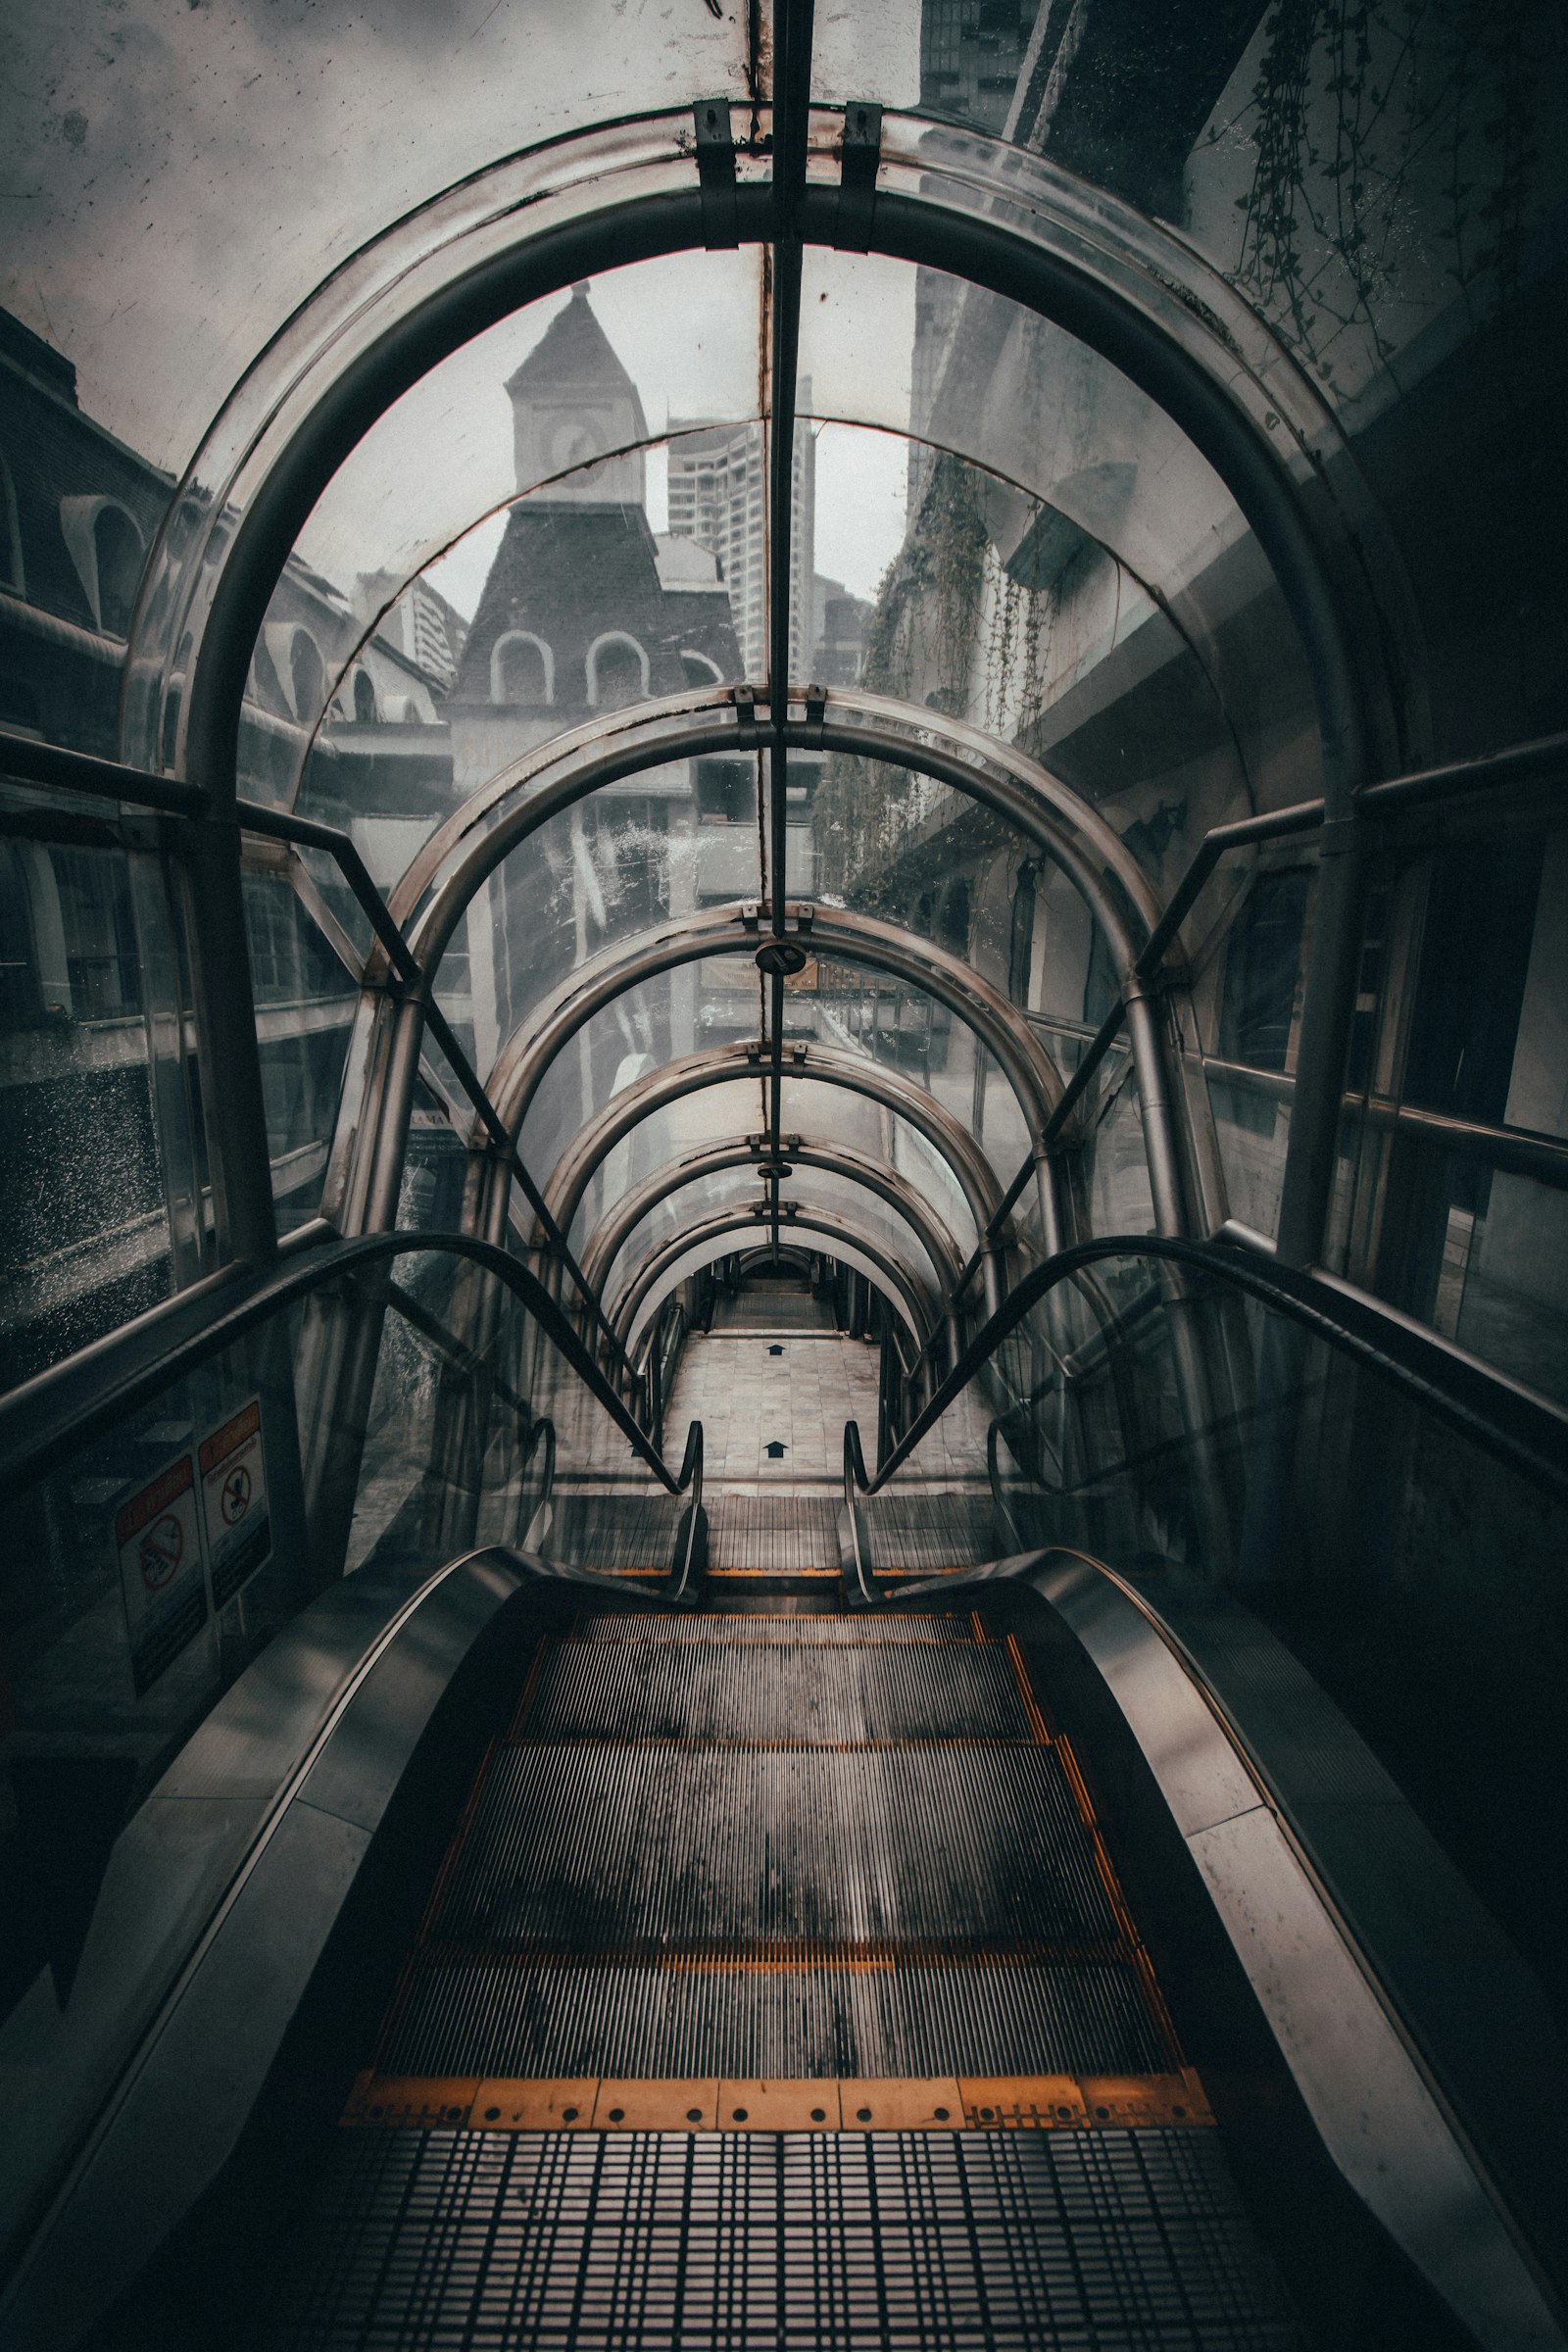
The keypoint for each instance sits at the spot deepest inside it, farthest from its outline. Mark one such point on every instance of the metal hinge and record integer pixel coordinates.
(861, 154)
(716, 172)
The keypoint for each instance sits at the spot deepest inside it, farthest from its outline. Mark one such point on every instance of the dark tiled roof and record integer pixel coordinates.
(568, 573)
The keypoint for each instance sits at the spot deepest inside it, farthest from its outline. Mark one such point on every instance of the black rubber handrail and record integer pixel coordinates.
(1510, 1422)
(35, 1440)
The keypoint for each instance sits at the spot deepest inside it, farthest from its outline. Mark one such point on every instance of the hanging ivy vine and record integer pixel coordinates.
(1386, 133)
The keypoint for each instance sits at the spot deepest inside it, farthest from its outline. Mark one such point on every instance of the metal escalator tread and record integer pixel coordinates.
(611, 1532)
(662, 1846)
(923, 1534)
(757, 1693)
(827, 1632)
(654, 2240)
(778, 1534)
(554, 2017)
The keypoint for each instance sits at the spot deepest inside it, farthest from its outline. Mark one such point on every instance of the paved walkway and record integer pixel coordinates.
(745, 1396)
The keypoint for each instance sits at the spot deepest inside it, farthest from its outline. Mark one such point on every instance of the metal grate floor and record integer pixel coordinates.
(670, 2241)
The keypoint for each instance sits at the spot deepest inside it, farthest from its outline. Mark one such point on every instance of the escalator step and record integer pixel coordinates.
(778, 1534)
(591, 1849)
(563, 2016)
(757, 1693)
(674, 1625)
(840, 2240)
(922, 1533)
(609, 1533)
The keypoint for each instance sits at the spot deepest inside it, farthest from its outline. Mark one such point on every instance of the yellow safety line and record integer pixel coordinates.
(718, 2104)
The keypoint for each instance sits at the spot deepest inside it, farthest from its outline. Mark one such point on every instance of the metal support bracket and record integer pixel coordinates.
(861, 153)
(716, 172)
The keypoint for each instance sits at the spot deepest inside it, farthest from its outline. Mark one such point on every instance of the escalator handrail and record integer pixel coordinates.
(1513, 1423)
(36, 1439)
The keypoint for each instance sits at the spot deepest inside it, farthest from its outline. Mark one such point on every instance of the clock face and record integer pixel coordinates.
(576, 439)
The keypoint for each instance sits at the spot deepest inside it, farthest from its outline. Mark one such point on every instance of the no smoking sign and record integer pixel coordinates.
(239, 1532)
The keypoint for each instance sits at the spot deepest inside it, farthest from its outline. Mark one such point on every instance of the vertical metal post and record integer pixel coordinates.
(1328, 1005)
(233, 1108)
(1154, 1096)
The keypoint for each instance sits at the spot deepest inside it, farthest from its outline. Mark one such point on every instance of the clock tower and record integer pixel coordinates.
(572, 403)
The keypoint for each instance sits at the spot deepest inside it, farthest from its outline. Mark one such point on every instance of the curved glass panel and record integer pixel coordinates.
(860, 1210)
(827, 1116)
(261, 147)
(519, 520)
(718, 1001)
(620, 861)
(1384, 188)
(1064, 553)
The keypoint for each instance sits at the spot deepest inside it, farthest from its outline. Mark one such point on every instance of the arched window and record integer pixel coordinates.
(365, 711)
(700, 670)
(11, 572)
(617, 670)
(307, 676)
(108, 550)
(522, 670)
(118, 546)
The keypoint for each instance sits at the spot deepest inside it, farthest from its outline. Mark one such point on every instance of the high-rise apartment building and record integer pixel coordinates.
(718, 497)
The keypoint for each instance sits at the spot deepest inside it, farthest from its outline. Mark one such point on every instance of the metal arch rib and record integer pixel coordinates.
(615, 1230)
(728, 1065)
(857, 938)
(918, 1312)
(521, 797)
(536, 221)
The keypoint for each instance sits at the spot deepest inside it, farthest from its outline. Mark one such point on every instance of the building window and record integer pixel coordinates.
(119, 551)
(522, 670)
(1262, 969)
(307, 676)
(618, 671)
(108, 550)
(11, 572)
(700, 670)
(366, 712)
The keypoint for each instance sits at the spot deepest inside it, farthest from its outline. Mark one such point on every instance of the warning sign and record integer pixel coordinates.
(238, 1524)
(158, 1536)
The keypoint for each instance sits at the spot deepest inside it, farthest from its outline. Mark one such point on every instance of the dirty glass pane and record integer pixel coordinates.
(305, 1004)
(173, 237)
(527, 509)
(1381, 184)
(718, 1114)
(621, 861)
(1050, 552)
(98, 1147)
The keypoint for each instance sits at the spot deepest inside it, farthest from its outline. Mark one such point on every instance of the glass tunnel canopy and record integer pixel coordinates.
(905, 509)
(647, 642)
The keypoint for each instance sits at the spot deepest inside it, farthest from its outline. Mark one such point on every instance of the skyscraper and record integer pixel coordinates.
(718, 497)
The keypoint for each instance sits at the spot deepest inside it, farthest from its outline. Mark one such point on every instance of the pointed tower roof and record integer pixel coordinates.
(575, 355)
(572, 402)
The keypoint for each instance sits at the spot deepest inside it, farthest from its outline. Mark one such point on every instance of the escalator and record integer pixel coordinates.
(777, 1979)
(1036, 1927)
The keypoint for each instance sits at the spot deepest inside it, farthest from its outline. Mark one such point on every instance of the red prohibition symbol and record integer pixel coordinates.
(160, 1547)
(236, 1499)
